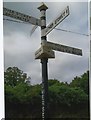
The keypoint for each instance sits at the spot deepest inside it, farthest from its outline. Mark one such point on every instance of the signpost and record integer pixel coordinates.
(21, 16)
(59, 19)
(46, 49)
(63, 48)
(33, 29)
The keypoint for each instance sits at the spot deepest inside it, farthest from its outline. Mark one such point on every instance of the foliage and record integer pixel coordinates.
(81, 82)
(14, 76)
(23, 100)
(67, 95)
(52, 82)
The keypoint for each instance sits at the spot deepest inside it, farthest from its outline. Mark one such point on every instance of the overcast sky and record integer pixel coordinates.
(20, 47)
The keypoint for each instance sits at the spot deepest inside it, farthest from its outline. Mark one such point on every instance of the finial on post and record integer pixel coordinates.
(42, 7)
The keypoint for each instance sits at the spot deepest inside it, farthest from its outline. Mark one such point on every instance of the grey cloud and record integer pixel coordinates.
(65, 69)
(19, 47)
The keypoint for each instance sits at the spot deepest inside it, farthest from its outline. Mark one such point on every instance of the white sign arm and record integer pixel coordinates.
(63, 48)
(21, 16)
(59, 19)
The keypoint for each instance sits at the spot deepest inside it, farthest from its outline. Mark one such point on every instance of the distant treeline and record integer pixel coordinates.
(66, 101)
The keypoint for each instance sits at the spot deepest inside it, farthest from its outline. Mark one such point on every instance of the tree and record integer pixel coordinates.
(67, 95)
(14, 76)
(81, 82)
(21, 98)
(24, 101)
(52, 82)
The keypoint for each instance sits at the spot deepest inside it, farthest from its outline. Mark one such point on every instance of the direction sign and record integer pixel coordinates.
(33, 29)
(63, 48)
(21, 16)
(59, 19)
(44, 52)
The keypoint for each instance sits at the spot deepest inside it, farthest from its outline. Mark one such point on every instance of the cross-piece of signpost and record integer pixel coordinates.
(46, 50)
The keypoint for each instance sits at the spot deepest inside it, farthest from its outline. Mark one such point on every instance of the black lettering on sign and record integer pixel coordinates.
(67, 11)
(63, 14)
(50, 26)
(57, 20)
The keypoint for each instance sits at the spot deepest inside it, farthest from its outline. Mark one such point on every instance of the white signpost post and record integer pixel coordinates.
(46, 49)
